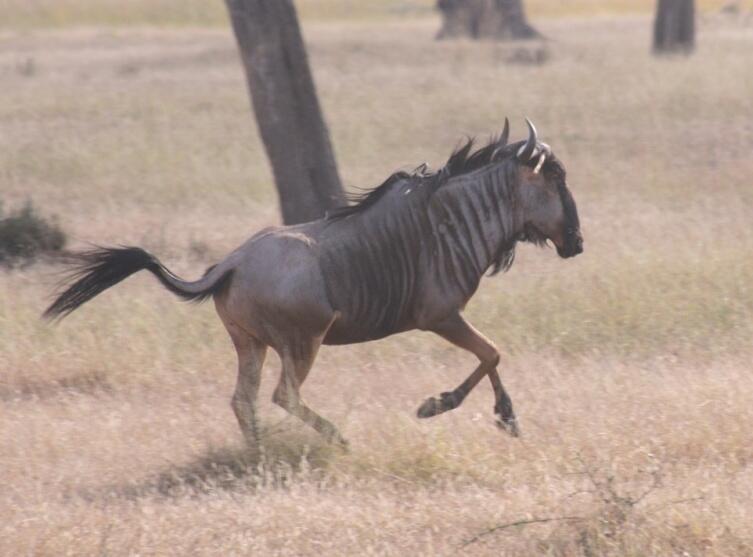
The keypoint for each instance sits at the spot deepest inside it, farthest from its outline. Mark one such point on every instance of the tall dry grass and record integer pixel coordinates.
(629, 365)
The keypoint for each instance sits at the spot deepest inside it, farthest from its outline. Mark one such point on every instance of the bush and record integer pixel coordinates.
(24, 235)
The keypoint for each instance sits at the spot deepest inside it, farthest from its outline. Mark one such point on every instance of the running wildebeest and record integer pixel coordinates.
(408, 255)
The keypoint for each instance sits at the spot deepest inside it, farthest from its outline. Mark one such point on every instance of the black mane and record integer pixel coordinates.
(462, 161)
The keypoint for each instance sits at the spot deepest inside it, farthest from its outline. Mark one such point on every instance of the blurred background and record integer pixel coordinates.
(130, 123)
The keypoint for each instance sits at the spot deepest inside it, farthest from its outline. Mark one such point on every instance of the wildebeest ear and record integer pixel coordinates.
(542, 160)
(543, 150)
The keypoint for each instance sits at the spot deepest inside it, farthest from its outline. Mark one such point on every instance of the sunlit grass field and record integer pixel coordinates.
(66, 13)
(629, 365)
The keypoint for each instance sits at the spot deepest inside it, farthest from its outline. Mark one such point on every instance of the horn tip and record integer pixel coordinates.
(505, 132)
(529, 147)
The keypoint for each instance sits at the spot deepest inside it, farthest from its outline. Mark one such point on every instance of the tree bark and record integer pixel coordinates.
(514, 23)
(485, 19)
(287, 110)
(674, 26)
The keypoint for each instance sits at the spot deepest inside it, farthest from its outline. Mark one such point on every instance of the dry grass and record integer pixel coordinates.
(66, 13)
(629, 365)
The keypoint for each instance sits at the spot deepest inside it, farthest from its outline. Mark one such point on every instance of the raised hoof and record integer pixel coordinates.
(433, 406)
(333, 437)
(509, 426)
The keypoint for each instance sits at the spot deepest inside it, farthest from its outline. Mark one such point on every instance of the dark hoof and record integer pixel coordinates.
(509, 425)
(506, 416)
(341, 443)
(333, 437)
(433, 406)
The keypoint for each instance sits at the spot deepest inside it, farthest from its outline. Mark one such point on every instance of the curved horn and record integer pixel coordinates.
(505, 134)
(526, 152)
(502, 141)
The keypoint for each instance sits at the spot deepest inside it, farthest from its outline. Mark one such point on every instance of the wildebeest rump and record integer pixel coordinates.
(408, 255)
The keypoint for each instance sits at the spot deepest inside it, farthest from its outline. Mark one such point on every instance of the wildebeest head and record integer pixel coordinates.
(549, 206)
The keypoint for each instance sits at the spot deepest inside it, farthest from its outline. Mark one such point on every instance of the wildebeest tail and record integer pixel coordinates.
(98, 269)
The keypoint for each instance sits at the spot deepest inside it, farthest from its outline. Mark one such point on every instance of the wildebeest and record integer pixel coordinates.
(408, 255)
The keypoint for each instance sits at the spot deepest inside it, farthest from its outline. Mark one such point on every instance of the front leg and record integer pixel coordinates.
(506, 419)
(446, 401)
(451, 400)
(459, 332)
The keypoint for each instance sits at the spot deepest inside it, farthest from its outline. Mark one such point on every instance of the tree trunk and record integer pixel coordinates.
(284, 100)
(514, 22)
(674, 26)
(485, 19)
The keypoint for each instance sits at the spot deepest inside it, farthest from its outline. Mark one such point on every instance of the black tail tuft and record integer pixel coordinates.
(97, 270)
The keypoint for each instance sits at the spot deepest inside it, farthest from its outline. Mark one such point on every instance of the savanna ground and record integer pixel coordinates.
(629, 365)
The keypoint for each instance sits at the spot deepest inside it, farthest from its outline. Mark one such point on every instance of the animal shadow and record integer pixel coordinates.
(278, 461)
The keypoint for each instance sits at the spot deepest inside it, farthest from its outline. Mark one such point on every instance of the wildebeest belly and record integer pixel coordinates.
(348, 331)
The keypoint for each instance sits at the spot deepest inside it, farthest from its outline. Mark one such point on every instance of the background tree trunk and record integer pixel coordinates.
(674, 26)
(514, 22)
(287, 110)
(485, 19)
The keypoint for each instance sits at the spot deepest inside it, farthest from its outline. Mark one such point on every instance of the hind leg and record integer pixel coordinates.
(297, 358)
(251, 354)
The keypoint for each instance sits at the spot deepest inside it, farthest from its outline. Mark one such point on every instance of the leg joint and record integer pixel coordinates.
(284, 397)
(279, 397)
(491, 359)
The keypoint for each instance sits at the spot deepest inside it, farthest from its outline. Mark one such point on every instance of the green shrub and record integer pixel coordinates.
(24, 235)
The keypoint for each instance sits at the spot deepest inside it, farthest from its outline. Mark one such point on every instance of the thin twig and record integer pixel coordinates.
(655, 484)
(521, 523)
(579, 492)
(663, 506)
(393, 476)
